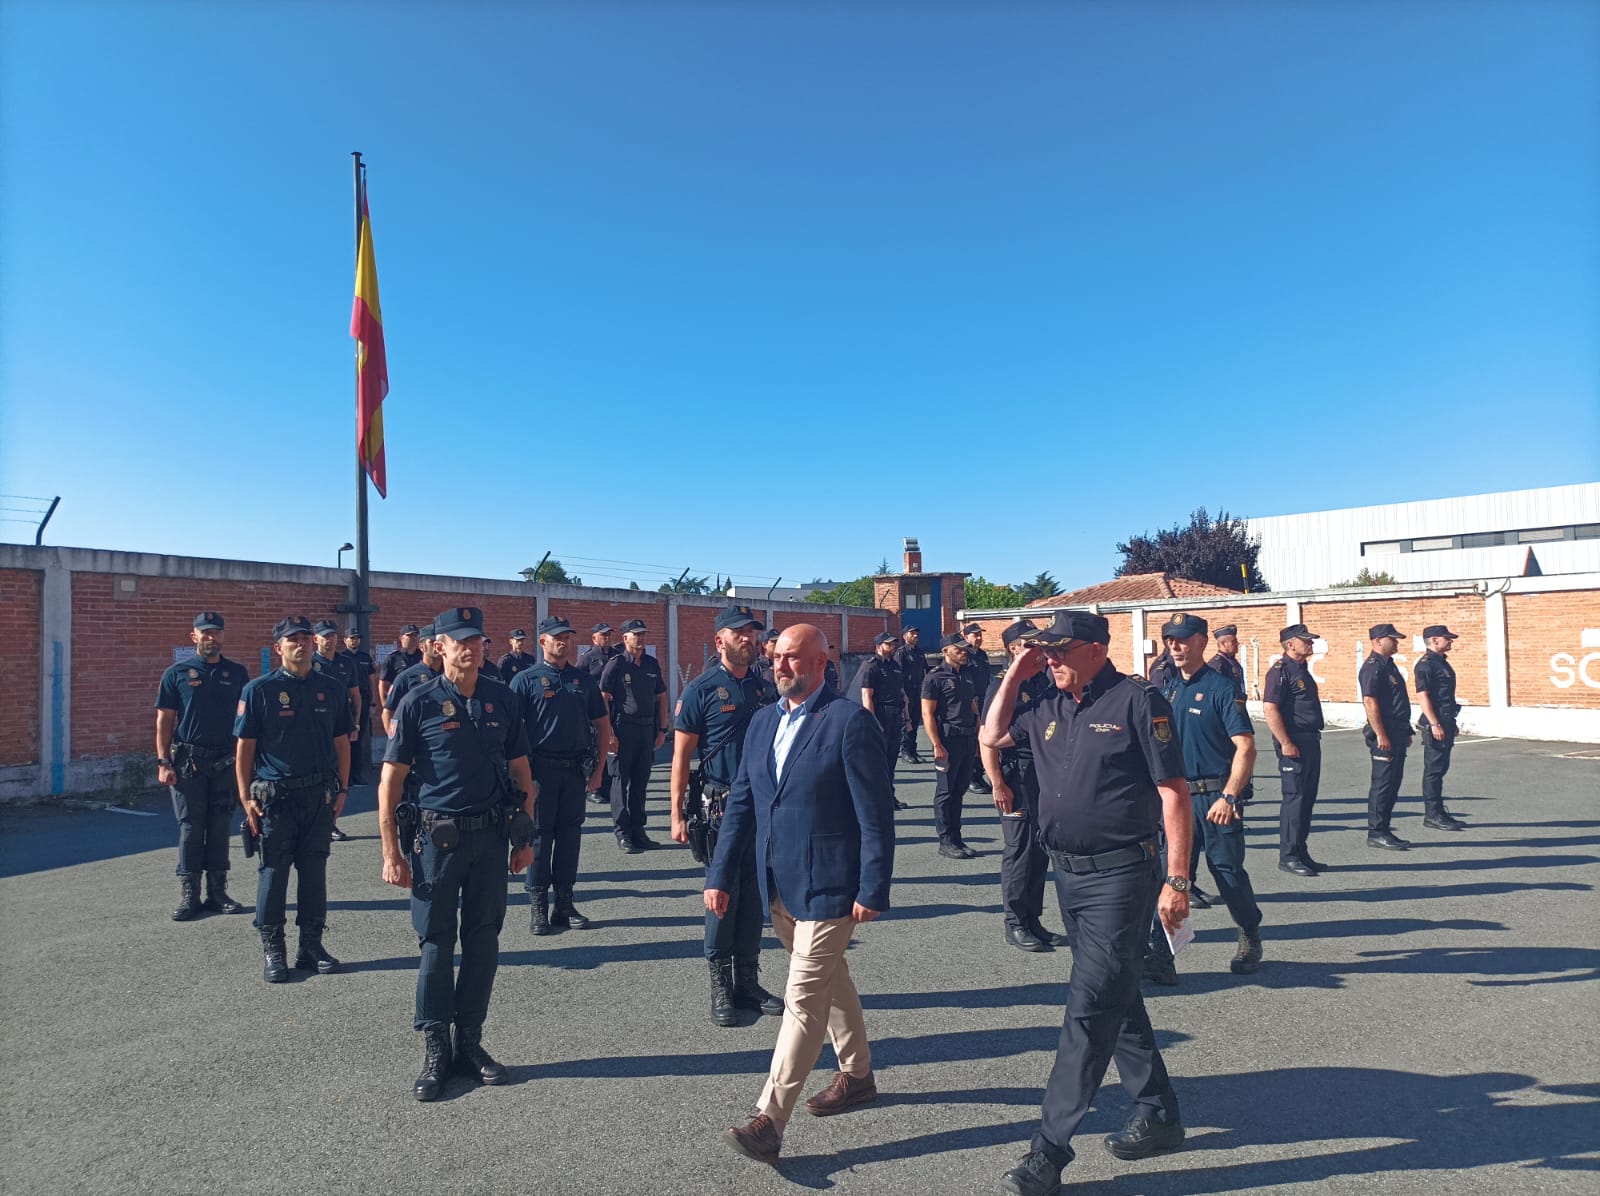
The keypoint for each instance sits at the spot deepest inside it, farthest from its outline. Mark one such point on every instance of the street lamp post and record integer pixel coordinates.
(343, 548)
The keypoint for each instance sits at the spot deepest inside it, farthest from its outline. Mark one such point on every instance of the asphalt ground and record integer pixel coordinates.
(1424, 1022)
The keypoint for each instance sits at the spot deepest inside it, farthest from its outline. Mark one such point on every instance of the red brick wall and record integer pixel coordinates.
(21, 662)
(1549, 663)
(1345, 625)
(696, 640)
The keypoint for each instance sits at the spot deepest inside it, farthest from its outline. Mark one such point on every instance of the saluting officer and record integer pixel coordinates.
(292, 761)
(429, 665)
(636, 697)
(514, 661)
(950, 716)
(562, 710)
(1293, 710)
(1219, 752)
(913, 667)
(195, 708)
(340, 668)
(362, 670)
(463, 736)
(1388, 733)
(709, 727)
(980, 675)
(1023, 863)
(1436, 690)
(406, 654)
(880, 686)
(1109, 773)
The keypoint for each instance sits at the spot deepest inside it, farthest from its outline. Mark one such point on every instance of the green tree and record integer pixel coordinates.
(1042, 586)
(1366, 578)
(633, 585)
(686, 585)
(851, 593)
(1220, 551)
(983, 594)
(553, 573)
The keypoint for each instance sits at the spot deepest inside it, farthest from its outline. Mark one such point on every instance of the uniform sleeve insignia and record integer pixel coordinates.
(678, 709)
(1239, 702)
(722, 693)
(283, 697)
(1161, 728)
(240, 711)
(1049, 732)
(447, 708)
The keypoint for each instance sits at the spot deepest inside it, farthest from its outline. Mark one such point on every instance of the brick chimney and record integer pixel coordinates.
(913, 555)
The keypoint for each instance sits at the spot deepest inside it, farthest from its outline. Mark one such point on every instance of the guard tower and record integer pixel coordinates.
(926, 601)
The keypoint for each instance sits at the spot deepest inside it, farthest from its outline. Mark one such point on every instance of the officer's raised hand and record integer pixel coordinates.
(1030, 662)
(397, 872)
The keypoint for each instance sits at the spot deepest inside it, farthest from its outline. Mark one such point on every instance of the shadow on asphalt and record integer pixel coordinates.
(1498, 967)
(1488, 888)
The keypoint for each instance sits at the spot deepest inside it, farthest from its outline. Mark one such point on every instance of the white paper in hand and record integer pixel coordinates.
(1180, 938)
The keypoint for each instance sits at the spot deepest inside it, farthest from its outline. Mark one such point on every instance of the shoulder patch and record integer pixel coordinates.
(1161, 728)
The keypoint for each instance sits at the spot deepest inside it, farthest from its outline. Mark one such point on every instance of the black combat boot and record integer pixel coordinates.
(539, 918)
(217, 899)
(747, 990)
(473, 1060)
(435, 1064)
(723, 1012)
(566, 913)
(276, 968)
(188, 898)
(312, 956)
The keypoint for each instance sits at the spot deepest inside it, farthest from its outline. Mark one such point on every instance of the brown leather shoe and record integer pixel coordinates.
(843, 1092)
(757, 1139)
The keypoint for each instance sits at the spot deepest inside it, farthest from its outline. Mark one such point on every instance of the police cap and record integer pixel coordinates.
(885, 637)
(459, 623)
(633, 625)
(352, 633)
(970, 628)
(1226, 629)
(1383, 631)
(291, 625)
(1295, 631)
(599, 627)
(1016, 631)
(554, 625)
(772, 636)
(953, 640)
(517, 633)
(1074, 625)
(426, 632)
(325, 627)
(734, 617)
(410, 629)
(1181, 626)
(208, 620)
(1439, 629)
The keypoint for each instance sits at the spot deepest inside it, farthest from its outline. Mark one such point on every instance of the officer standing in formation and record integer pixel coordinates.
(880, 686)
(487, 667)
(1293, 711)
(1388, 733)
(563, 712)
(1110, 772)
(1162, 670)
(292, 761)
(763, 662)
(406, 654)
(1219, 753)
(913, 667)
(979, 674)
(636, 696)
(359, 661)
(429, 665)
(1226, 661)
(514, 661)
(1023, 863)
(339, 668)
(462, 734)
(600, 650)
(1436, 691)
(712, 716)
(950, 716)
(195, 709)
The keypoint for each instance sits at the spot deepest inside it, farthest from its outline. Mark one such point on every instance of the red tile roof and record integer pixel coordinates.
(1136, 587)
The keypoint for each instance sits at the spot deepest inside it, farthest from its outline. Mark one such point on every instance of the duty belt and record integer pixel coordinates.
(201, 752)
(295, 784)
(1106, 860)
(466, 822)
(1207, 785)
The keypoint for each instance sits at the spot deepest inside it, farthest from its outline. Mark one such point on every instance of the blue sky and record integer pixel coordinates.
(758, 289)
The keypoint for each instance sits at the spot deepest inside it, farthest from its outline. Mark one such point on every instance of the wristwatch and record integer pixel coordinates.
(164, 761)
(1231, 798)
(1180, 884)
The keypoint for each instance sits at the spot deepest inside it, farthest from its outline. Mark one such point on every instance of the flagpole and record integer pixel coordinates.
(363, 573)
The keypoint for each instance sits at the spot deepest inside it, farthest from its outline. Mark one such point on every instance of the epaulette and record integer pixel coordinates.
(1143, 682)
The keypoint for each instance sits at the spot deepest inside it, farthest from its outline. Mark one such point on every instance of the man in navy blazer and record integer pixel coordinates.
(813, 790)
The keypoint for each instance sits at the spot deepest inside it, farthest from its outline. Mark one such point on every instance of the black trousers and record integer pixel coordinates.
(1023, 863)
(893, 729)
(737, 934)
(469, 880)
(204, 805)
(1106, 916)
(1302, 777)
(909, 734)
(361, 749)
(636, 749)
(557, 822)
(1225, 849)
(1435, 763)
(296, 832)
(1387, 769)
(950, 785)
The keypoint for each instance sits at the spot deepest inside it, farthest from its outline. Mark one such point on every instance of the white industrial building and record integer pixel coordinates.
(1437, 539)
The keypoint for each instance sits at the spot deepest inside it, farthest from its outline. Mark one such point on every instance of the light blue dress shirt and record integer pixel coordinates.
(789, 721)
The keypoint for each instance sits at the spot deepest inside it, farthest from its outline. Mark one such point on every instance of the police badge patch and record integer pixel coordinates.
(447, 708)
(283, 697)
(1050, 731)
(1161, 728)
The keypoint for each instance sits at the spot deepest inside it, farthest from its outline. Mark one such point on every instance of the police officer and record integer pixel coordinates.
(1293, 710)
(1023, 863)
(488, 668)
(979, 674)
(950, 716)
(913, 667)
(709, 727)
(1226, 661)
(359, 662)
(1110, 772)
(406, 654)
(1388, 733)
(601, 650)
(1219, 753)
(636, 697)
(881, 688)
(563, 712)
(763, 663)
(514, 661)
(340, 669)
(429, 665)
(463, 736)
(195, 707)
(1162, 670)
(292, 761)
(1436, 690)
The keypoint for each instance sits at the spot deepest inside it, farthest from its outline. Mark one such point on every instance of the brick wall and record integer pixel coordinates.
(1345, 625)
(1552, 661)
(399, 607)
(20, 664)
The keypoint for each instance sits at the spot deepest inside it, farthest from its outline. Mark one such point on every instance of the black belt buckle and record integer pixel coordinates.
(444, 833)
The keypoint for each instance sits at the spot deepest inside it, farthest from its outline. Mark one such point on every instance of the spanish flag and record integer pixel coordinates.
(372, 368)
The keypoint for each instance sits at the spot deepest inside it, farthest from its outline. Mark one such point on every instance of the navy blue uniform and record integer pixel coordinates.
(558, 712)
(1230, 668)
(954, 715)
(1293, 690)
(913, 668)
(457, 747)
(717, 707)
(1023, 863)
(595, 660)
(1163, 671)
(359, 663)
(513, 663)
(294, 723)
(206, 700)
(632, 686)
(487, 669)
(398, 662)
(1381, 681)
(888, 685)
(407, 680)
(1098, 762)
(1436, 676)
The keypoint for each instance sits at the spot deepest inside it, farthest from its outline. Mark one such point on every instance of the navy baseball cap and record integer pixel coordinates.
(352, 633)
(970, 628)
(291, 625)
(1181, 626)
(885, 637)
(734, 617)
(954, 640)
(633, 625)
(517, 633)
(426, 633)
(554, 626)
(411, 629)
(1074, 625)
(459, 623)
(599, 627)
(1427, 632)
(208, 620)
(771, 637)
(1383, 631)
(1296, 631)
(325, 627)
(1015, 631)
(1226, 629)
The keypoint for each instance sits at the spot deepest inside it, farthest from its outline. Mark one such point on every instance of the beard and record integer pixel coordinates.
(738, 655)
(208, 652)
(797, 686)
